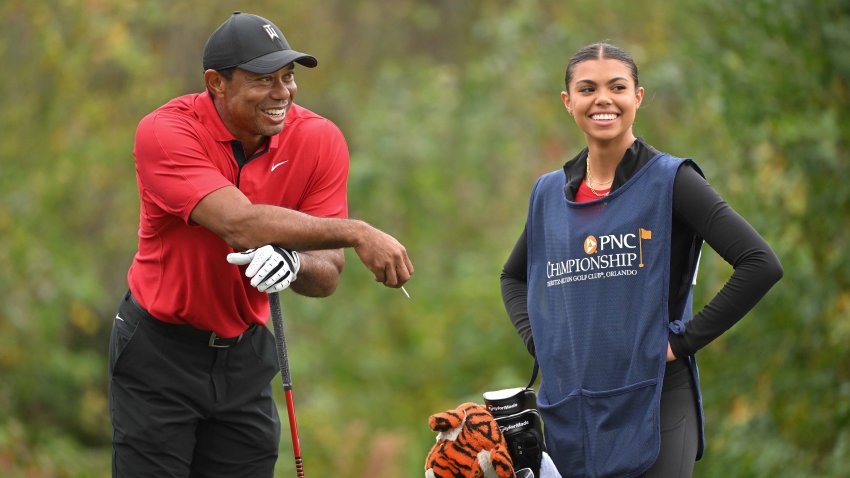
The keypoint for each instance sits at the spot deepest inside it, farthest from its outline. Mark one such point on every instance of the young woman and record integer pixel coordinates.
(599, 285)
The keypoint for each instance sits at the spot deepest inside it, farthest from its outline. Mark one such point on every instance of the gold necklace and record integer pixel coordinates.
(589, 179)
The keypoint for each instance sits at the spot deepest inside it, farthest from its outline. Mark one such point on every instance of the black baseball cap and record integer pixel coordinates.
(252, 43)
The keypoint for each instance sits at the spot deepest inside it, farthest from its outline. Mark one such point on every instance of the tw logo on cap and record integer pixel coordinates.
(271, 31)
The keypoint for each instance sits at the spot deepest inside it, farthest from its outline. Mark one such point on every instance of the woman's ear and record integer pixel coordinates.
(639, 96)
(565, 97)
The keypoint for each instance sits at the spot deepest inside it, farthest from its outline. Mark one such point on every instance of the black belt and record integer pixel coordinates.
(185, 331)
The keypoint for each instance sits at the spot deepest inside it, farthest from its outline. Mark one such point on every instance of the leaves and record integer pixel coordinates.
(451, 110)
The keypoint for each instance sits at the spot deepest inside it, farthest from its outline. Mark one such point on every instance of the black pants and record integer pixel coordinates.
(679, 425)
(181, 408)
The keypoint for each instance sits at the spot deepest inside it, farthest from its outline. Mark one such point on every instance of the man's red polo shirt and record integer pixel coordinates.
(184, 152)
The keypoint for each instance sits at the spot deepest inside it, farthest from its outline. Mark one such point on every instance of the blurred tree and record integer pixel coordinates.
(451, 110)
(774, 83)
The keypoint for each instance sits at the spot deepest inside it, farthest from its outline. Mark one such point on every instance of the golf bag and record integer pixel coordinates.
(515, 411)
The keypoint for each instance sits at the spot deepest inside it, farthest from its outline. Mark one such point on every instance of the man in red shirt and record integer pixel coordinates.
(236, 176)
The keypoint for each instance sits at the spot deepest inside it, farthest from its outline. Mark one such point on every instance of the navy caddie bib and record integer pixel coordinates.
(598, 285)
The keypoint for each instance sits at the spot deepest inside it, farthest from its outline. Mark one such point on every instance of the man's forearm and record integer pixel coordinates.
(299, 231)
(231, 216)
(320, 272)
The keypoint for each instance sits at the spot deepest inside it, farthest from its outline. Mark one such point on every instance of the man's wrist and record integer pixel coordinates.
(358, 231)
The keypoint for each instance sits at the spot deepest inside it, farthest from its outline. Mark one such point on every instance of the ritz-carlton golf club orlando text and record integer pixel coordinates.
(610, 255)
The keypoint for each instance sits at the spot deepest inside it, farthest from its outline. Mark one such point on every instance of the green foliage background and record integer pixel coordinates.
(451, 110)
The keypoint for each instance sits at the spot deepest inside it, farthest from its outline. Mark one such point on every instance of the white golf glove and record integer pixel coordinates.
(271, 268)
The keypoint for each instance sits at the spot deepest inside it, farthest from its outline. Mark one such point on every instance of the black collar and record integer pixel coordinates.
(638, 154)
(239, 152)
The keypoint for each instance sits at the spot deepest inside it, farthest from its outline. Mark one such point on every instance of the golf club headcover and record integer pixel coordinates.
(469, 445)
(515, 411)
(523, 433)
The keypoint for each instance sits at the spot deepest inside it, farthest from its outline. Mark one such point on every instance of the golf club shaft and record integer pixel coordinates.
(283, 362)
(293, 431)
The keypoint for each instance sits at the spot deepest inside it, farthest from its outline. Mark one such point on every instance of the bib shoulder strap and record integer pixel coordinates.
(533, 374)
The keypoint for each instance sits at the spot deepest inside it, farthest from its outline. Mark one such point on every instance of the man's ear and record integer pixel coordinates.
(215, 82)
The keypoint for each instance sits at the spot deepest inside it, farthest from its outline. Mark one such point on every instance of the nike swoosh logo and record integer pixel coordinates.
(275, 166)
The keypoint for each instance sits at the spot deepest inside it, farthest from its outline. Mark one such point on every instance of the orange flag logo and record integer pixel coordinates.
(644, 234)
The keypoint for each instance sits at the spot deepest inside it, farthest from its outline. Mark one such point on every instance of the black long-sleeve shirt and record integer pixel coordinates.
(698, 211)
